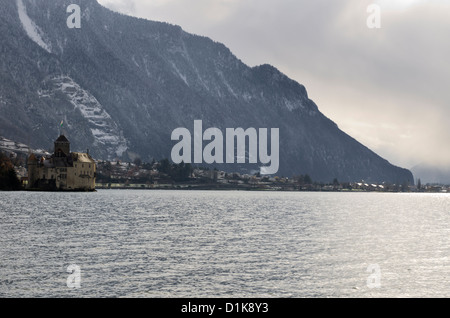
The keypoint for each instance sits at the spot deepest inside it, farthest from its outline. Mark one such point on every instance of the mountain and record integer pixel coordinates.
(432, 174)
(11, 147)
(122, 85)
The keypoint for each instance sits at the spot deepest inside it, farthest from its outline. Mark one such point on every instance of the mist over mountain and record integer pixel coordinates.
(431, 173)
(123, 84)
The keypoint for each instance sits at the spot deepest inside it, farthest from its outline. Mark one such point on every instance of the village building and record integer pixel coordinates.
(63, 170)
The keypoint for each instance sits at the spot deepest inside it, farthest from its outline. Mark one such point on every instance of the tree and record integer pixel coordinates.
(404, 187)
(137, 162)
(164, 166)
(181, 172)
(147, 166)
(108, 166)
(8, 176)
(307, 179)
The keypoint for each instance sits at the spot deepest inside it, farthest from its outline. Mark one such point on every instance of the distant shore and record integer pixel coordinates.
(221, 188)
(246, 187)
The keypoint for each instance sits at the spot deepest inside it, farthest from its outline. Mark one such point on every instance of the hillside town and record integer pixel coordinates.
(163, 174)
(166, 175)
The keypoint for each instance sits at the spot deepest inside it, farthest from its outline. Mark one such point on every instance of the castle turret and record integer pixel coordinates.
(32, 170)
(62, 147)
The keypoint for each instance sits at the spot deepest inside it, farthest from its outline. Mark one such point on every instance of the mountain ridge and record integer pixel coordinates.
(123, 84)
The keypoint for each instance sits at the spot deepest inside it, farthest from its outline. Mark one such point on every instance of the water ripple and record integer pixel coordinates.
(224, 244)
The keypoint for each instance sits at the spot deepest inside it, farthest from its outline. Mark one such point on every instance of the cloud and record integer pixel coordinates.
(388, 87)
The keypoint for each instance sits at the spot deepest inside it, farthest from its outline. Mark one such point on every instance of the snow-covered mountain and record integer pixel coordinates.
(122, 85)
(16, 148)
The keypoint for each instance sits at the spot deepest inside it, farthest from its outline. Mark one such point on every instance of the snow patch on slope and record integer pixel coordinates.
(104, 129)
(178, 72)
(292, 105)
(225, 82)
(10, 146)
(32, 30)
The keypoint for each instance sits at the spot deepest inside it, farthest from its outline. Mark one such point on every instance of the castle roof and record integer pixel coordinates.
(82, 157)
(32, 157)
(62, 138)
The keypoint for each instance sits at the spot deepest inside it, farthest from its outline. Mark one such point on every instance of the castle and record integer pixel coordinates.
(63, 170)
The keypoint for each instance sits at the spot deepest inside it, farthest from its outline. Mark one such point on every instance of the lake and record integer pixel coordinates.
(144, 243)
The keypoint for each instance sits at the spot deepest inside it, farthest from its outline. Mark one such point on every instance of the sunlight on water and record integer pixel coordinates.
(225, 244)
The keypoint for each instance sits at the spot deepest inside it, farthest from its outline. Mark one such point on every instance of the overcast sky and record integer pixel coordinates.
(389, 88)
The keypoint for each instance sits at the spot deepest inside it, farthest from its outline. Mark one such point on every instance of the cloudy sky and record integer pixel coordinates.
(387, 87)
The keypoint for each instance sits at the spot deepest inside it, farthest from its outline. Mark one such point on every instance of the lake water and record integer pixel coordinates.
(133, 243)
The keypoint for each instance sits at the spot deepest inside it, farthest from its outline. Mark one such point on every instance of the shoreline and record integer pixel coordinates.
(250, 189)
(224, 187)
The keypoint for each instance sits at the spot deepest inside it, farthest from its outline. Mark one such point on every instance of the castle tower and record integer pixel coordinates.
(32, 170)
(62, 147)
